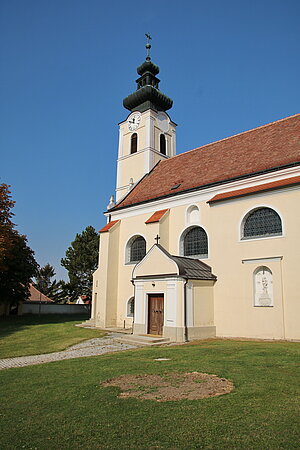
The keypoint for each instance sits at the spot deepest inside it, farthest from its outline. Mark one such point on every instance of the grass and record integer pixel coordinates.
(32, 335)
(63, 404)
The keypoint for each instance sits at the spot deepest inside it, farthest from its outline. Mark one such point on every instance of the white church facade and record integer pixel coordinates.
(205, 243)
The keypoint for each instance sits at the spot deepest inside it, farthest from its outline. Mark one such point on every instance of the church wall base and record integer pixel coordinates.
(175, 334)
(201, 332)
(139, 328)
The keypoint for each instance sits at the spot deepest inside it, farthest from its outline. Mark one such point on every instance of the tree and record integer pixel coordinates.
(17, 263)
(53, 289)
(81, 261)
(6, 225)
(19, 267)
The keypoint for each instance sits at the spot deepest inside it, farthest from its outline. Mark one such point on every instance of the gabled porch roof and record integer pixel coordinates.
(184, 267)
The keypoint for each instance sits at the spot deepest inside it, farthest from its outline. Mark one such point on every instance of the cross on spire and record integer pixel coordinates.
(148, 46)
(157, 239)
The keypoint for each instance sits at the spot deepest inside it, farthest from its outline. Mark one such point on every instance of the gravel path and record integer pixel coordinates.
(92, 347)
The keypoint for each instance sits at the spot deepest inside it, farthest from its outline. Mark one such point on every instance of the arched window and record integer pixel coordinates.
(133, 147)
(135, 249)
(162, 146)
(262, 222)
(195, 243)
(130, 307)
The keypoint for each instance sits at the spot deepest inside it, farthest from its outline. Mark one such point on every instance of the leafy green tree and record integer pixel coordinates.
(52, 288)
(6, 225)
(19, 267)
(81, 261)
(17, 263)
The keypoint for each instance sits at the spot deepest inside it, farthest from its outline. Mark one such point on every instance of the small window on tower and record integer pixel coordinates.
(163, 144)
(133, 148)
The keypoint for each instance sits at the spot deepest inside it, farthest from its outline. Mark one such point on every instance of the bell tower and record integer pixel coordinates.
(147, 135)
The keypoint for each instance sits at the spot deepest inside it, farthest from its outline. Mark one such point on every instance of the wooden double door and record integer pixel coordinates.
(155, 313)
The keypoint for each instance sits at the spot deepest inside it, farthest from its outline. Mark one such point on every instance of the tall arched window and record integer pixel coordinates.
(135, 249)
(130, 307)
(162, 146)
(134, 139)
(195, 243)
(261, 222)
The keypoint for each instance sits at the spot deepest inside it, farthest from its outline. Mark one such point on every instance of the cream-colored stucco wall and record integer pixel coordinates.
(148, 154)
(233, 261)
(235, 314)
(203, 293)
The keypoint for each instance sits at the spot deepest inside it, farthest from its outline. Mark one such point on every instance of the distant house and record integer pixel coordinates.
(37, 296)
(83, 300)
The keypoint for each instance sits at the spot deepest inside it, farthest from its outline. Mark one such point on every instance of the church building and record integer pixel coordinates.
(205, 243)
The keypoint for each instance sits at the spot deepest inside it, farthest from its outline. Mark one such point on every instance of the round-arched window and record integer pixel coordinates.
(136, 249)
(195, 243)
(133, 147)
(130, 307)
(262, 222)
(163, 149)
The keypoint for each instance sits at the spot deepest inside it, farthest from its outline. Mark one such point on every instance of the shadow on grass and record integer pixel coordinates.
(11, 324)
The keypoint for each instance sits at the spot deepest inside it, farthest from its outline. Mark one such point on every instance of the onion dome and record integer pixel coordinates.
(147, 94)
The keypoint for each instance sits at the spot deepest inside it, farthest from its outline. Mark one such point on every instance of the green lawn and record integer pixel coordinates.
(31, 335)
(62, 405)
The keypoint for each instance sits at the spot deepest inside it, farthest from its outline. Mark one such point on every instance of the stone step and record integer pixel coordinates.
(90, 323)
(144, 340)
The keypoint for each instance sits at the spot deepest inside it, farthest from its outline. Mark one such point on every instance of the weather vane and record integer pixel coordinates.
(148, 46)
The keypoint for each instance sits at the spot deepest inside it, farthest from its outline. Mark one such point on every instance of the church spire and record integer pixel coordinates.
(147, 95)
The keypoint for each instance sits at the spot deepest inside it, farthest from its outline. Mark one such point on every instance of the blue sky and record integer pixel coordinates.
(66, 66)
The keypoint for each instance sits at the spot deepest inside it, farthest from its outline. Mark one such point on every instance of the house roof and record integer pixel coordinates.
(267, 148)
(37, 296)
(156, 216)
(254, 189)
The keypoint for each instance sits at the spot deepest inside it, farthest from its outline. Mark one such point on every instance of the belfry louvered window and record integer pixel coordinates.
(262, 222)
(195, 243)
(137, 249)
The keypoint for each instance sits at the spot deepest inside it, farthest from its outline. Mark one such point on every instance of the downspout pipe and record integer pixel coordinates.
(134, 305)
(185, 311)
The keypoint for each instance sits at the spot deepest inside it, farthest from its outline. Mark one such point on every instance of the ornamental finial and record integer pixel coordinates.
(148, 46)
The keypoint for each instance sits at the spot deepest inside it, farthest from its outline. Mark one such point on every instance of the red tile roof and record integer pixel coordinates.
(262, 149)
(157, 216)
(108, 226)
(37, 296)
(261, 188)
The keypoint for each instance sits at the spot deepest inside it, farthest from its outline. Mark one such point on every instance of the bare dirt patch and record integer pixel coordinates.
(171, 386)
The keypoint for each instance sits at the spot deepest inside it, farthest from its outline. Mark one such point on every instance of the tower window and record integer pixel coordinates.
(163, 144)
(133, 147)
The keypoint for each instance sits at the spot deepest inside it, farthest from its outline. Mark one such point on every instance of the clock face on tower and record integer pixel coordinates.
(133, 121)
(163, 122)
